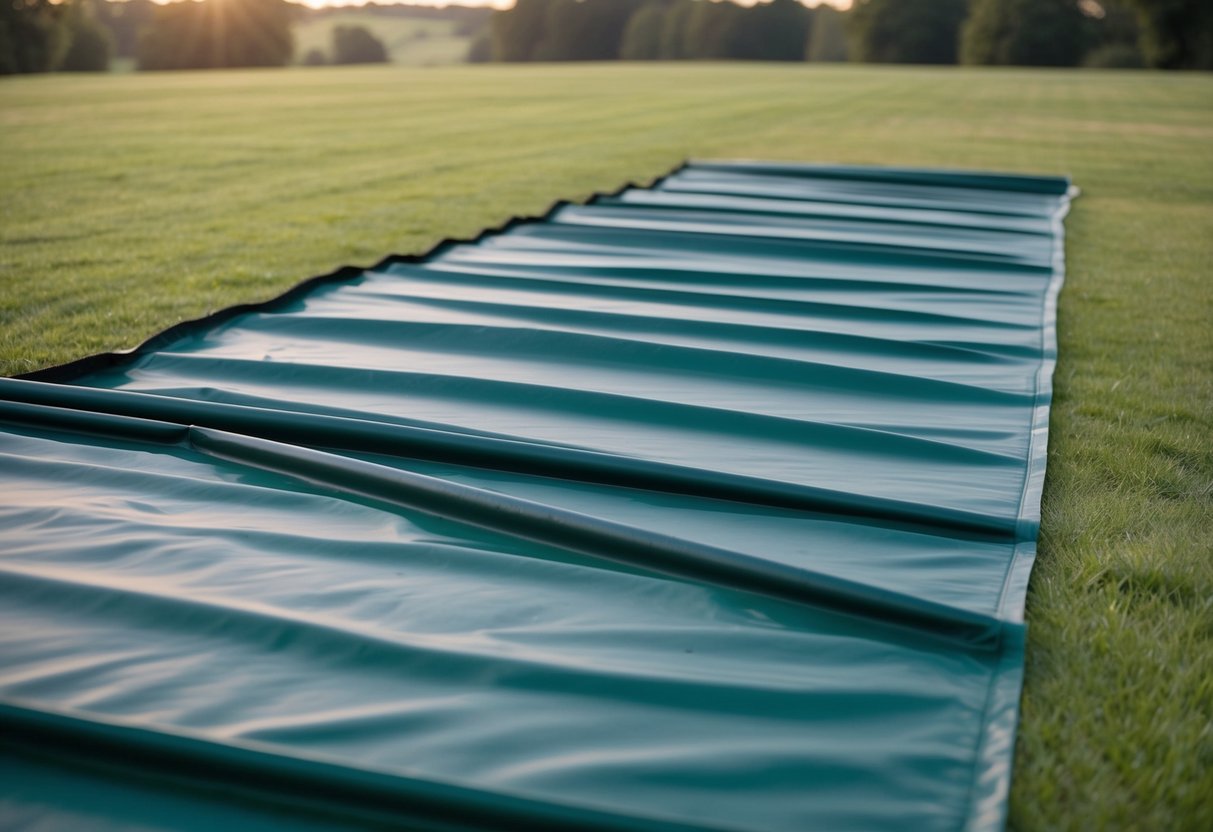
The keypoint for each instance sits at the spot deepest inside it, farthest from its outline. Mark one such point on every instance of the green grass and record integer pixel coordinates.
(410, 41)
(131, 202)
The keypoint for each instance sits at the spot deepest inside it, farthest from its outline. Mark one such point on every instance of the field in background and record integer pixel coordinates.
(130, 202)
(410, 41)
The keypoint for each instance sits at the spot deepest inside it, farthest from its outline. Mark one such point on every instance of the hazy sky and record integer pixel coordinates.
(502, 4)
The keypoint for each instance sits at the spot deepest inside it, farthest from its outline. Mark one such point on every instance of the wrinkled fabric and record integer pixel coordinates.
(706, 505)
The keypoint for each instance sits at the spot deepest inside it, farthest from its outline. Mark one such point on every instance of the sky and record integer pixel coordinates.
(502, 4)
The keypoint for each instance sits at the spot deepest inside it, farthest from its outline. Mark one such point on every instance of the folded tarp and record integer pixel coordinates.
(707, 505)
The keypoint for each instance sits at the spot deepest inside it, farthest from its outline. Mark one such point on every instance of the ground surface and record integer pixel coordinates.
(130, 202)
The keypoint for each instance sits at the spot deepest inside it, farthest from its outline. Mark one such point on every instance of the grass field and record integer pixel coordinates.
(131, 202)
(410, 41)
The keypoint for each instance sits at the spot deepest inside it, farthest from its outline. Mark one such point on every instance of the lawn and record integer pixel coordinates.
(130, 202)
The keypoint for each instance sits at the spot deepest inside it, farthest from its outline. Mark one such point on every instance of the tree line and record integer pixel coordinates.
(38, 36)
(1170, 34)
(86, 35)
(83, 35)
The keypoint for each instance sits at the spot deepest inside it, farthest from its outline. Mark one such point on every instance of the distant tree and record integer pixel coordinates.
(125, 22)
(357, 45)
(827, 35)
(1112, 34)
(712, 30)
(578, 30)
(642, 37)
(32, 37)
(1024, 33)
(1113, 22)
(469, 28)
(674, 28)
(905, 31)
(1176, 34)
(517, 31)
(584, 30)
(772, 31)
(315, 57)
(89, 43)
(481, 49)
(1114, 56)
(218, 33)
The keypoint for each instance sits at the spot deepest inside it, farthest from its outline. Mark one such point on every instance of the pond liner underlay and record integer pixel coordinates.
(704, 505)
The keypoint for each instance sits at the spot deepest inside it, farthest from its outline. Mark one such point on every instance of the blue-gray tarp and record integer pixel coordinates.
(707, 505)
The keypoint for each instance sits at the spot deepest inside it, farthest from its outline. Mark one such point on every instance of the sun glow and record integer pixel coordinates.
(505, 4)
